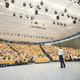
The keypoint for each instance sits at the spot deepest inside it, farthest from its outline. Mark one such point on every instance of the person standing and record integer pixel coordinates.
(62, 63)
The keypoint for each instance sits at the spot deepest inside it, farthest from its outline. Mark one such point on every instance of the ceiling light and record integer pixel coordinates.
(41, 3)
(55, 12)
(57, 23)
(74, 22)
(27, 16)
(53, 22)
(7, 5)
(30, 5)
(75, 18)
(14, 14)
(62, 14)
(72, 17)
(24, 4)
(36, 22)
(12, 1)
(38, 7)
(68, 16)
(20, 15)
(32, 17)
(57, 17)
(61, 24)
(36, 12)
(46, 9)
(65, 10)
(64, 24)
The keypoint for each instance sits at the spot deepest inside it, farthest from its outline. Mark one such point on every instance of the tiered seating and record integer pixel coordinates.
(13, 53)
(69, 53)
(32, 52)
(7, 55)
(51, 51)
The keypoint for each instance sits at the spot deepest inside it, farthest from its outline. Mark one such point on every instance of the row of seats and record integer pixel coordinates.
(32, 52)
(12, 53)
(69, 53)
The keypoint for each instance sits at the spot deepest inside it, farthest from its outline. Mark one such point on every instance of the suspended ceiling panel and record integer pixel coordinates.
(39, 20)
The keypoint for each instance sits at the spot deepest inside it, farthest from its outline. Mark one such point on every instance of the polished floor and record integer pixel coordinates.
(46, 71)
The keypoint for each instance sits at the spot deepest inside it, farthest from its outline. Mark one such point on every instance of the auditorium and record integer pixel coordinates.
(39, 39)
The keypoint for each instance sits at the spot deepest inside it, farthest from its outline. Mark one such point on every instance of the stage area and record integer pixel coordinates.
(46, 71)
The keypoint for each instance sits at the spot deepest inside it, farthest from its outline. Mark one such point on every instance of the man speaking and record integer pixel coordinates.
(62, 63)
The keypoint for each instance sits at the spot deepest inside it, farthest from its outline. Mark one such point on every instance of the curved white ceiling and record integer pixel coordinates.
(55, 19)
